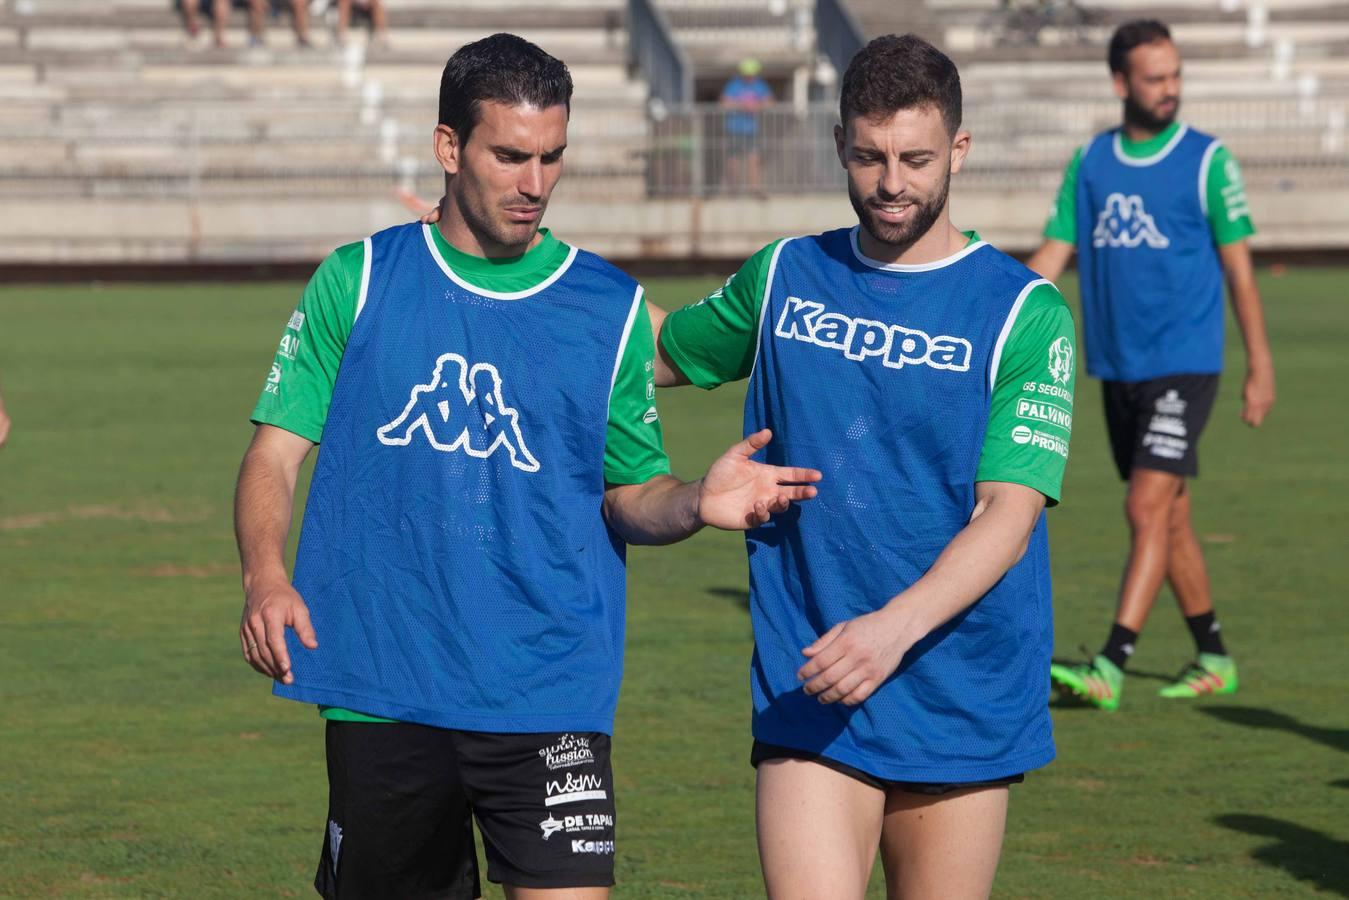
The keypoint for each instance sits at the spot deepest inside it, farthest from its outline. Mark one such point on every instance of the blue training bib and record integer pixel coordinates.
(881, 376)
(454, 557)
(1152, 280)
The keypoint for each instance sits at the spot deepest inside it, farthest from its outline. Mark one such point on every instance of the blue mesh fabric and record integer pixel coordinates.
(453, 554)
(897, 430)
(1152, 282)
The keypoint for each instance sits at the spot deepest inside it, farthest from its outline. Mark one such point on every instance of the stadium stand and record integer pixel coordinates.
(121, 141)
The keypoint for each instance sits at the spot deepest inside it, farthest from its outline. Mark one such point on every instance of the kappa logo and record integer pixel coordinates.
(1125, 223)
(1061, 360)
(461, 408)
(858, 339)
(550, 826)
(573, 789)
(604, 848)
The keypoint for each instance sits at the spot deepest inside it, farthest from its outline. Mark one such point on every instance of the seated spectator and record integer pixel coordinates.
(379, 21)
(220, 13)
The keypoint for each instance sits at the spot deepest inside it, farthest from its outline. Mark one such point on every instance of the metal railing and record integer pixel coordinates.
(1295, 144)
(838, 36)
(705, 150)
(653, 51)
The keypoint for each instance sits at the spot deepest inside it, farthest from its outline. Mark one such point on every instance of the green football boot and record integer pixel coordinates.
(1099, 682)
(1210, 674)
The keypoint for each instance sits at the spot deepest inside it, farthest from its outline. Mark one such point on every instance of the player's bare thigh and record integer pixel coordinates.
(818, 830)
(576, 893)
(943, 847)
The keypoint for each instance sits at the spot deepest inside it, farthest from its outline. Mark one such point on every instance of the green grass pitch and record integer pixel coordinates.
(139, 757)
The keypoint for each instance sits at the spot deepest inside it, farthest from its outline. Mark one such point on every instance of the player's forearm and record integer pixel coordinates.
(1246, 305)
(1051, 259)
(663, 510)
(263, 506)
(976, 559)
(667, 373)
(1250, 316)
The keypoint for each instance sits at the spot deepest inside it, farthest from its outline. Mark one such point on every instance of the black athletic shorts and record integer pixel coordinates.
(1156, 424)
(402, 797)
(764, 752)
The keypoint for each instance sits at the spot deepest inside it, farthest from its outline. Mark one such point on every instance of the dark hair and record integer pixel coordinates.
(893, 73)
(1130, 35)
(504, 68)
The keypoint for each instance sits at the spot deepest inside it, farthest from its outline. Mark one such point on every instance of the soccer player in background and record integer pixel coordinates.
(4, 423)
(902, 621)
(482, 394)
(1157, 213)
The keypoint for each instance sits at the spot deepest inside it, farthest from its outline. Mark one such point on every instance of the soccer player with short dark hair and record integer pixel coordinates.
(902, 622)
(483, 394)
(1157, 213)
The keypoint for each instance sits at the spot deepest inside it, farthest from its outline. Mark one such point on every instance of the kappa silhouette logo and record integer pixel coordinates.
(1125, 223)
(461, 408)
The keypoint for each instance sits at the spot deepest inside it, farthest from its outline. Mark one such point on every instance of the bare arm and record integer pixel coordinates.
(854, 658)
(1258, 392)
(736, 493)
(1051, 259)
(264, 501)
(667, 373)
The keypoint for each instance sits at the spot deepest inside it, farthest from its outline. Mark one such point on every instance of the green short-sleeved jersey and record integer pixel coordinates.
(1229, 212)
(713, 341)
(299, 389)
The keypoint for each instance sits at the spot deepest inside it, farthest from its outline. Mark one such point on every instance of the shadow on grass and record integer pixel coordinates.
(1306, 854)
(1254, 717)
(739, 595)
(1342, 783)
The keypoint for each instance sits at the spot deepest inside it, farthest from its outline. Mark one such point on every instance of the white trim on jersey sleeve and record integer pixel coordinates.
(916, 267)
(367, 252)
(483, 292)
(1118, 146)
(763, 302)
(1007, 330)
(1204, 165)
(623, 341)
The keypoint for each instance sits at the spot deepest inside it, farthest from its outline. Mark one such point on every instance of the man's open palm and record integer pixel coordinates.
(738, 493)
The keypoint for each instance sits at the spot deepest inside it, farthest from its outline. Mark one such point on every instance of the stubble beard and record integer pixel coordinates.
(490, 224)
(1147, 120)
(903, 235)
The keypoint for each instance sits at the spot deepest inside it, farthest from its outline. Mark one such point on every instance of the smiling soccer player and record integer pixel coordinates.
(902, 622)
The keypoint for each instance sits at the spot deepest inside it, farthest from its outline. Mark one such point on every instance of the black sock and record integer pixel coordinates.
(1207, 636)
(1120, 645)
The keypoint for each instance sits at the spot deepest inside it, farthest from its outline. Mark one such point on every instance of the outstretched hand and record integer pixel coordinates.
(738, 493)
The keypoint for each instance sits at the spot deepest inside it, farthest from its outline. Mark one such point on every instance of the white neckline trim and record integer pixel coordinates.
(1007, 330)
(1118, 145)
(483, 292)
(902, 267)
